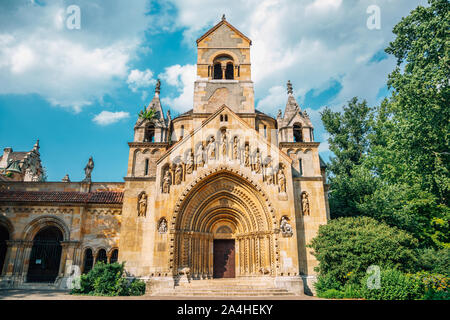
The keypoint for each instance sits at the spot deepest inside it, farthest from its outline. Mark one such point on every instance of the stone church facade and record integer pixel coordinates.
(221, 191)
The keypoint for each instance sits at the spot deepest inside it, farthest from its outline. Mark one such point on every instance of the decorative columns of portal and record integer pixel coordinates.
(255, 254)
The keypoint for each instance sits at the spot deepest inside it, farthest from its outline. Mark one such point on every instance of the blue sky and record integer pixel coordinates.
(79, 90)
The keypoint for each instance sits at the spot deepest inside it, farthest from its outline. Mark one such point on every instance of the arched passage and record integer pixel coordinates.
(45, 255)
(4, 236)
(223, 198)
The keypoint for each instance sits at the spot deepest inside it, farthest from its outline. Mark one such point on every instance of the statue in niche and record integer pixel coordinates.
(211, 149)
(282, 181)
(269, 175)
(166, 182)
(142, 204)
(190, 163)
(258, 162)
(305, 204)
(247, 156)
(285, 227)
(235, 148)
(224, 144)
(162, 228)
(178, 174)
(200, 159)
(88, 170)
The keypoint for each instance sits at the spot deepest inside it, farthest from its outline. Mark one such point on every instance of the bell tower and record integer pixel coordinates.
(223, 70)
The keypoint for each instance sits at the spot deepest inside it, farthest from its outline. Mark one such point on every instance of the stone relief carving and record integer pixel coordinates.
(224, 144)
(200, 156)
(178, 174)
(247, 156)
(211, 149)
(305, 204)
(167, 181)
(162, 226)
(235, 148)
(257, 165)
(142, 204)
(281, 181)
(285, 227)
(190, 163)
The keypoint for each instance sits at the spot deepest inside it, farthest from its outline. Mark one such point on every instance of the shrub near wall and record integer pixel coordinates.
(108, 280)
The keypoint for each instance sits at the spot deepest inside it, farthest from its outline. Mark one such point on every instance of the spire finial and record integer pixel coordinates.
(223, 17)
(289, 87)
(158, 86)
(36, 145)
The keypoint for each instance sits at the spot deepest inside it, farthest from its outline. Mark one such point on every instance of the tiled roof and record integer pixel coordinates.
(107, 197)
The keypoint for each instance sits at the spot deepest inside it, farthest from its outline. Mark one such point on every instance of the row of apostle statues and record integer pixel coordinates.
(208, 152)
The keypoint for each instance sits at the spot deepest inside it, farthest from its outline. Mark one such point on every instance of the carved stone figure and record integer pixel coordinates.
(166, 182)
(269, 174)
(200, 159)
(258, 162)
(162, 228)
(246, 156)
(66, 178)
(235, 148)
(88, 170)
(282, 181)
(224, 144)
(190, 163)
(211, 149)
(178, 174)
(142, 205)
(285, 227)
(305, 204)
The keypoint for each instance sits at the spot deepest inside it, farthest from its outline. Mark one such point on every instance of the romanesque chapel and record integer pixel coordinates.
(221, 191)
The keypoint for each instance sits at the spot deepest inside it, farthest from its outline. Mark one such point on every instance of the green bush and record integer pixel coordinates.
(435, 261)
(346, 247)
(108, 280)
(325, 283)
(394, 285)
(331, 294)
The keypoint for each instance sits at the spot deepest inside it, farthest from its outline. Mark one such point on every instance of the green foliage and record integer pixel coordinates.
(108, 280)
(145, 114)
(435, 261)
(436, 285)
(331, 294)
(394, 285)
(346, 247)
(327, 282)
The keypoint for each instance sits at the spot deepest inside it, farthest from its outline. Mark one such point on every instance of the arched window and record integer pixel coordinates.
(45, 255)
(300, 166)
(181, 132)
(4, 236)
(217, 71)
(146, 167)
(88, 260)
(229, 71)
(114, 256)
(101, 256)
(149, 133)
(298, 137)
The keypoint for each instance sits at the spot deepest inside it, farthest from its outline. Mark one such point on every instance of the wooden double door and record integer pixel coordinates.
(224, 259)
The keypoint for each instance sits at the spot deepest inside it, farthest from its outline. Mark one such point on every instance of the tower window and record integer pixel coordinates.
(182, 132)
(265, 131)
(146, 167)
(217, 71)
(229, 71)
(300, 167)
(311, 134)
(149, 134)
(298, 137)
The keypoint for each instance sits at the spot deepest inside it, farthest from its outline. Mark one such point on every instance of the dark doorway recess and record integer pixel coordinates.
(224, 259)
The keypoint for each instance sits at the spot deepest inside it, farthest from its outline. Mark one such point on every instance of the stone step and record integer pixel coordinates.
(207, 293)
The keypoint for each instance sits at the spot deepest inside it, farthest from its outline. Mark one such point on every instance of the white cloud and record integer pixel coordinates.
(69, 68)
(105, 118)
(183, 78)
(140, 79)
